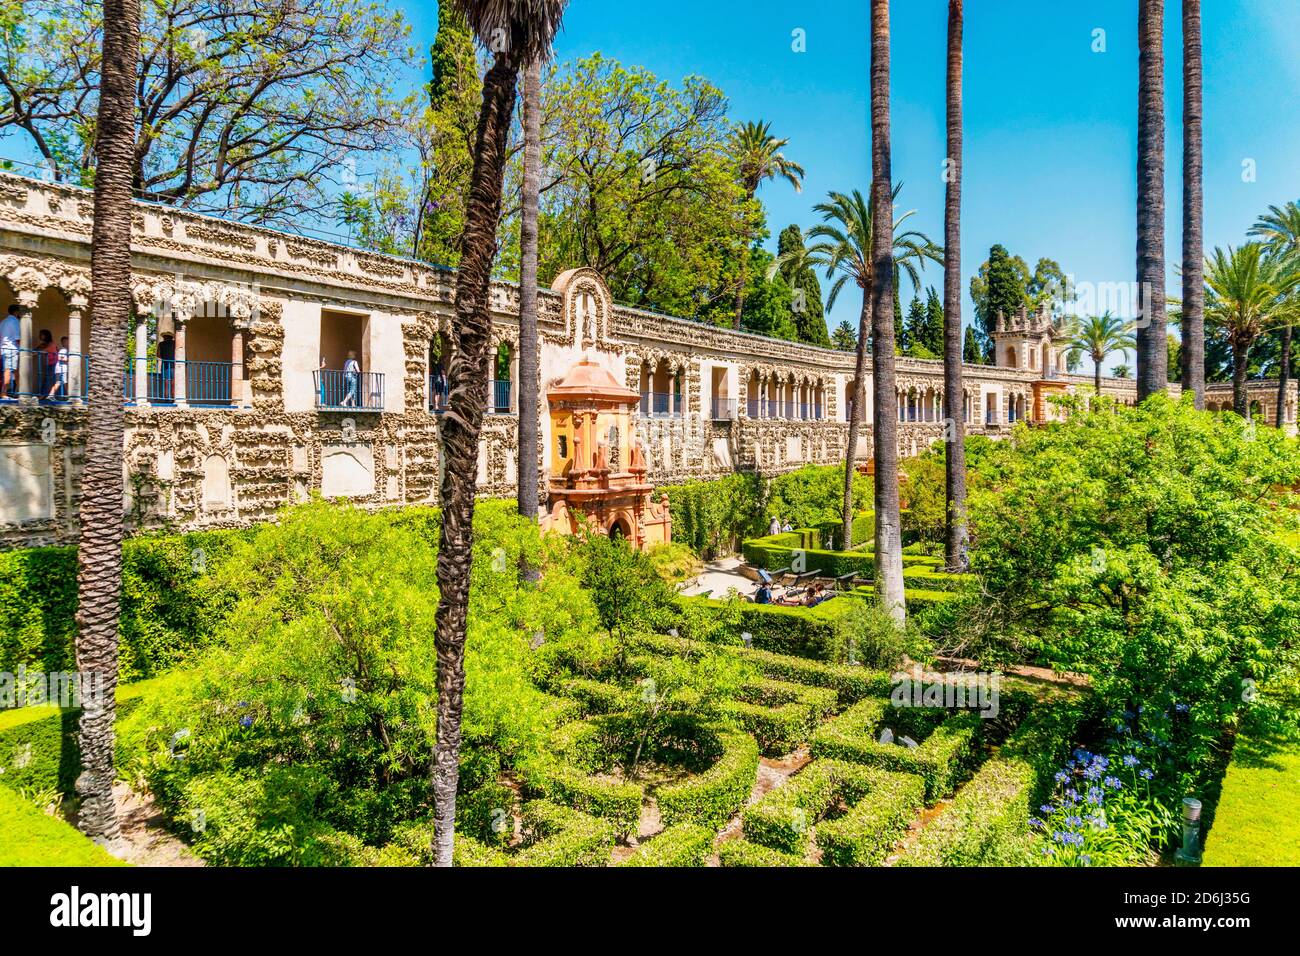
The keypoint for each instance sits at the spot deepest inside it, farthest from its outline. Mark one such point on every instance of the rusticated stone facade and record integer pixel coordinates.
(254, 405)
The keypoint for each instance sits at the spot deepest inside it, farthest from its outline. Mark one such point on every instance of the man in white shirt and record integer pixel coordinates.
(10, 338)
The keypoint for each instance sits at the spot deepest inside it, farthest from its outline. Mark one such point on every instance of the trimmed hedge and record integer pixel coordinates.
(38, 745)
(553, 836)
(777, 551)
(865, 835)
(939, 759)
(984, 824)
(811, 632)
(167, 607)
(685, 844)
(742, 853)
(33, 838)
(784, 818)
(781, 715)
(922, 577)
(713, 797)
(881, 804)
(571, 781)
(852, 683)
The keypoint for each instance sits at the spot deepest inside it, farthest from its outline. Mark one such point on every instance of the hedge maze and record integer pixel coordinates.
(867, 771)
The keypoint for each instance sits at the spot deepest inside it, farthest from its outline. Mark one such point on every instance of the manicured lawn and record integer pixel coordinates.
(1257, 822)
(33, 839)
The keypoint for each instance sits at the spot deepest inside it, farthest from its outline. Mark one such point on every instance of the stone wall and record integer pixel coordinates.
(270, 444)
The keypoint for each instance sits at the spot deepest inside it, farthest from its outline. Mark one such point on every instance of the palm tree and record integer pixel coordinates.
(99, 552)
(1152, 348)
(1247, 292)
(889, 534)
(1098, 337)
(517, 33)
(843, 248)
(759, 156)
(529, 363)
(955, 538)
(1279, 229)
(1193, 318)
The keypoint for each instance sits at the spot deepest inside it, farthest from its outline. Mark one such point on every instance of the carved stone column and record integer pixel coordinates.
(27, 361)
(141, 361)
(237, 381)
(180, 367)
(76, 358)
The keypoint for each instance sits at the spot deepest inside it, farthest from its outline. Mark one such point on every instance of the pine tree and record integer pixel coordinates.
(844, 338)
(914, 332)
(934, 322)
(455, 93)
(809, 311)
(971, 353)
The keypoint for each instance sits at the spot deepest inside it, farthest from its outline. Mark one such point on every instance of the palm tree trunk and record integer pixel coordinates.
(955, 539)
(1240, 359)
(1284, 377)
(1152, 349)
(529, 362)
(99, 552)
(1193, 352)
(889, 536)
(467, 378)
(1096, 375)
(856, 416)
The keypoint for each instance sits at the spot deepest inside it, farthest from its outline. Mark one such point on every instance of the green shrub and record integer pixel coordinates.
(685, 844)
(781, 715)
(812, 632)
(169, 605)
(742, 853)
(924, 577)
(711, 517)
(467, 851)
(939, 759)
(618, 802)
(872, 826)
(986, 825)
(814, 494)
(32, 838)
(38, 745)
(559, 836)
(851, 683)
(783, 819)
(674, 562)
(713, 797)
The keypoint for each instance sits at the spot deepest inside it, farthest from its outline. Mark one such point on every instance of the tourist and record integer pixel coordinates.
(167, 364)
(774, 527)
(764, 594)
(439, 386)
(351, 380)
(47, 356)
(10, 336)
(322, 373)
(787, 527)
(818, 595)
(59, 388)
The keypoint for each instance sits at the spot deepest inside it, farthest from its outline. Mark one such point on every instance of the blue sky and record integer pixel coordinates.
(1050, 125)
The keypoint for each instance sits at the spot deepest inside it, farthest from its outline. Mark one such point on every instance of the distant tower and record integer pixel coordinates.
(1034, 344)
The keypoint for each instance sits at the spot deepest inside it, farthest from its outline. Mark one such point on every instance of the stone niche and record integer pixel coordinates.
(216, 491)
(26, 483)
(347, 471)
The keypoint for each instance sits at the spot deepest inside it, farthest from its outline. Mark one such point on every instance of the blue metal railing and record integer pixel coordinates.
(205, 383)
(752, 407)
(54, 377)
(773, 408)
(657, 404)
(499, 400)
(723, 409)
(337, 389)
